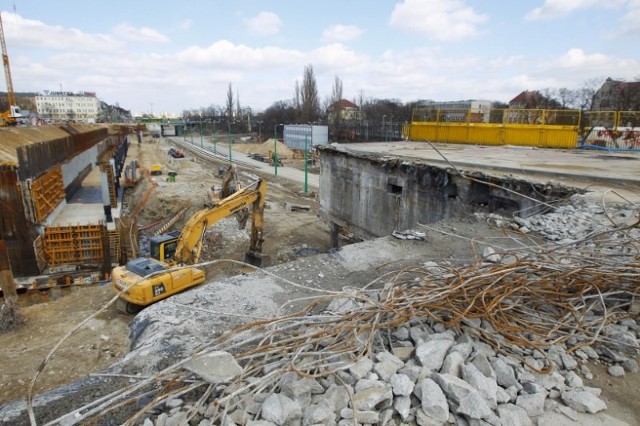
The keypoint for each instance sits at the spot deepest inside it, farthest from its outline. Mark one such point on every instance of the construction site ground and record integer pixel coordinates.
(289, 235)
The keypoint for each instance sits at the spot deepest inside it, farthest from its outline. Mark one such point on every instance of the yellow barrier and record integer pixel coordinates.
(541, 128)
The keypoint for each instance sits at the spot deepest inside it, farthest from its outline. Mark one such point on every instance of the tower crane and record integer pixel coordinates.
(10, 116)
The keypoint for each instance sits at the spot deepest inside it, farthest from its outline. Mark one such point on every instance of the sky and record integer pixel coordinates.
(154, 56)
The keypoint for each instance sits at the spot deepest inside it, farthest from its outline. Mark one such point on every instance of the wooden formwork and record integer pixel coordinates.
(74, 245)
(115, 250)
(42, 195)
(113, 196)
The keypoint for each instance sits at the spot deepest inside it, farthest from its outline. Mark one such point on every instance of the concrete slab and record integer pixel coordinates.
(80, 214)
(578, 167)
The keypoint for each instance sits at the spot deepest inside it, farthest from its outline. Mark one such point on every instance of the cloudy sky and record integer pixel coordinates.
(161, 56)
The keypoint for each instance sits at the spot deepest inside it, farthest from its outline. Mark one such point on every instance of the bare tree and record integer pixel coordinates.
(567, 97)
(239, 110)
(229, 103)
(297, 104)
(309, 96)
(334, 104)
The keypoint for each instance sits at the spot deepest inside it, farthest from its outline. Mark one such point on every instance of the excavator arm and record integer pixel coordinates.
(190, 240)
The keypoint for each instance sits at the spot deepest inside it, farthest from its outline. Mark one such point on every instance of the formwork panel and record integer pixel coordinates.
(73, 245)
(45, 193)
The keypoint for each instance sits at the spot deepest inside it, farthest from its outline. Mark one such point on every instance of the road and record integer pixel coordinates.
(206, 149)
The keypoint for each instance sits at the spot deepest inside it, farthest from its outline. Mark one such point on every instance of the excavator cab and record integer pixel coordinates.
(163, 247)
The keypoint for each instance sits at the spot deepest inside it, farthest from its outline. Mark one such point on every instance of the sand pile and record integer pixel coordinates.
(264, 148)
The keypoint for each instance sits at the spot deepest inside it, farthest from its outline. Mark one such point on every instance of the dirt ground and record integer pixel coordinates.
(105, 338)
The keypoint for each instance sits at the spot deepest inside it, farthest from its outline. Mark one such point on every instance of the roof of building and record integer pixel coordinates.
(525, 97)
(344, 104)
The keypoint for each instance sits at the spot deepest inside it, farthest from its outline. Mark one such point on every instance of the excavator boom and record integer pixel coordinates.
(190, 241)
(144, 281)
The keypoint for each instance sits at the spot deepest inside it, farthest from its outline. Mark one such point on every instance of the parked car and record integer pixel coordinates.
(175, 153)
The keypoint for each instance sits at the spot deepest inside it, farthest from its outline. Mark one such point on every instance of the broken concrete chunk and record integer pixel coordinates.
(486, 386)
(361, 368)
(402, 405)
(281, 410)
(533, 404)
(433, 400)
(583, 401)
(431, 353)
(453, 387)
(513, 415)
(214, 367)
(474, 407)
(367, 399)
(401, 384)
(504, 373)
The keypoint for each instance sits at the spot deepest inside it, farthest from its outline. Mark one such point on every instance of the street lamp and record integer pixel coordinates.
(214, 130)
(275, 148)
(229, 141)
(201, 140)
(306, 166)
(383, 134)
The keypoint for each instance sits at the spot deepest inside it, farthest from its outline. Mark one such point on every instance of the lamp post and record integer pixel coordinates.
(229, 141)
(383, 134)
(275, 149)
(213, 136)
(192, 136)
(306, 166)
(201, 140)
(184, 131)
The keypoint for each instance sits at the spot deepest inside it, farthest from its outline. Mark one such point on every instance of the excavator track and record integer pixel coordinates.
(127, 308)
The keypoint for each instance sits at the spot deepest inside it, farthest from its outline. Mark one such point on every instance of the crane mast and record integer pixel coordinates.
(11, 97)
(11, 116)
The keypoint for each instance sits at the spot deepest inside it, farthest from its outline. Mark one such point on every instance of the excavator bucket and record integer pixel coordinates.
(256, 259)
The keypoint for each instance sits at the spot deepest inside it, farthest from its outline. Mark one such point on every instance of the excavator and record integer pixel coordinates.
(10, 116)
(144, 281)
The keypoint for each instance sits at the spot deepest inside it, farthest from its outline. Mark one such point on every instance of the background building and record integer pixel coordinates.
(297, 135)
(83, 107)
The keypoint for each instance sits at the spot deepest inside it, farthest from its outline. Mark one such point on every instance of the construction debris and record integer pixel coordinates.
(499, 342)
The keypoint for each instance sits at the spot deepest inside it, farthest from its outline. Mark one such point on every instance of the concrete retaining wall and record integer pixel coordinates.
(372, 196)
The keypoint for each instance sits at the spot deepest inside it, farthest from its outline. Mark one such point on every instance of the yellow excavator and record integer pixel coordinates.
(166, 272)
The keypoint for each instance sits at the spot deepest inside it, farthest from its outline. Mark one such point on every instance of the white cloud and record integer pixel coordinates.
(445, 20)
(225, 54)
(552, 9)
(265, 23)
(143, 34)
(630, 22)
(341, 33)
(30, 33)
(575, 66)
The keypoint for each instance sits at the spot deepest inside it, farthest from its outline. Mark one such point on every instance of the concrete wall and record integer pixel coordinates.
(372, 196)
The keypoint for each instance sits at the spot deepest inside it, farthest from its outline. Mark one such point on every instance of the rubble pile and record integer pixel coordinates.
(506, 340)
(428, 376)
